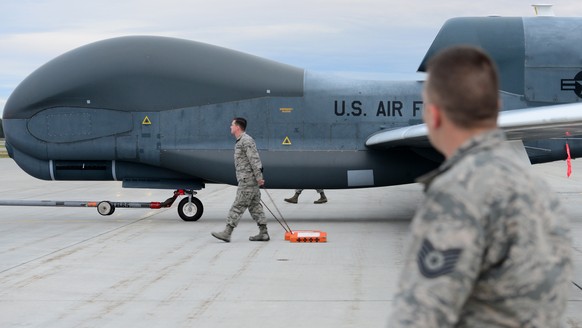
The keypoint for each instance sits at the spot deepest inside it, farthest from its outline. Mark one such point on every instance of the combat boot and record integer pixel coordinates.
(293, 200)
(322, 199)
(263, 234)
(225, 235)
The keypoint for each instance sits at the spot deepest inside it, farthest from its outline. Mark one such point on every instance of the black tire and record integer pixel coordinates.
(105, 208)
(190, 211)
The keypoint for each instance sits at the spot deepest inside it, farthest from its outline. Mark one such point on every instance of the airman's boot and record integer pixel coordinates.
(263, 234)
(322, 199)
(293, 200)
(225, 235)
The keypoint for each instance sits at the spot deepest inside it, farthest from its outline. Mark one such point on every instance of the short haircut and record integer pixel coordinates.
(240, 122)
(462, 81)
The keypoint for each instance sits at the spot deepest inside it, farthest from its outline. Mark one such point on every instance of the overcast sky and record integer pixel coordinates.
(377, 39)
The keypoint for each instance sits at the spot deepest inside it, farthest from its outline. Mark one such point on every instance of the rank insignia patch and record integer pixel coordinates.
(434, 263)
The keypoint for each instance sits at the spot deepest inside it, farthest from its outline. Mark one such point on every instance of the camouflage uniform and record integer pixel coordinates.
(248, 171)
(490, 246)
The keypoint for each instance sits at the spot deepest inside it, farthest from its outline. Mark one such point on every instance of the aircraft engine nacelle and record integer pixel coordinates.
(529, 52)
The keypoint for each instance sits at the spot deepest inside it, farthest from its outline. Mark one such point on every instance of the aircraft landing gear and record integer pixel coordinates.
(190, 208)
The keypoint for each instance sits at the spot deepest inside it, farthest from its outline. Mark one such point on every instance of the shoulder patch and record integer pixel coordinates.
(434, 263)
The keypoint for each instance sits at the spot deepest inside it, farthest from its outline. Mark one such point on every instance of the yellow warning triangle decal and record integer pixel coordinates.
(146, 121)
(286, 141)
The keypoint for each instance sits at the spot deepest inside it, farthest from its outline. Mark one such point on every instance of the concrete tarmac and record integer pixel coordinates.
(71, 267)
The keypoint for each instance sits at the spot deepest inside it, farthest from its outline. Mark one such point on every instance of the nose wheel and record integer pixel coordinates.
(190, 208)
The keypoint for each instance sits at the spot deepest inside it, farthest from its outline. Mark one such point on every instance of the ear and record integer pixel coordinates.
(434, 119)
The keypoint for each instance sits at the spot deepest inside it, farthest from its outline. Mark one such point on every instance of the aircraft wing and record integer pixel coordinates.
(559, 121)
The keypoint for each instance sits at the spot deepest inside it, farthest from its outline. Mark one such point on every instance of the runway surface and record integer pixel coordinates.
(71, 267)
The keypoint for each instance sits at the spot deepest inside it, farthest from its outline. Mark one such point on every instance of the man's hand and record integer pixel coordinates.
(261, 182)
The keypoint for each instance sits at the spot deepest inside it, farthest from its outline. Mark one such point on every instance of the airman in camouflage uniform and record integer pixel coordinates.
(249, 174)
(490, 245)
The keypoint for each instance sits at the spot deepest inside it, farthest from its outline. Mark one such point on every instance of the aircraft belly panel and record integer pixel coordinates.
(307, 169)
(210, 165)
(360, 178)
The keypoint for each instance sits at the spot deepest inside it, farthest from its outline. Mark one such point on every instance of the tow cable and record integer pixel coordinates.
(297, 236)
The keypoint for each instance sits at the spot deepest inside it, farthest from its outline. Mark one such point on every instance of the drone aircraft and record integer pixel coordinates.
(154, 112)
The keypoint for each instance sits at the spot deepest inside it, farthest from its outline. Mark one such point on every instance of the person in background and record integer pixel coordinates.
(293, 200)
